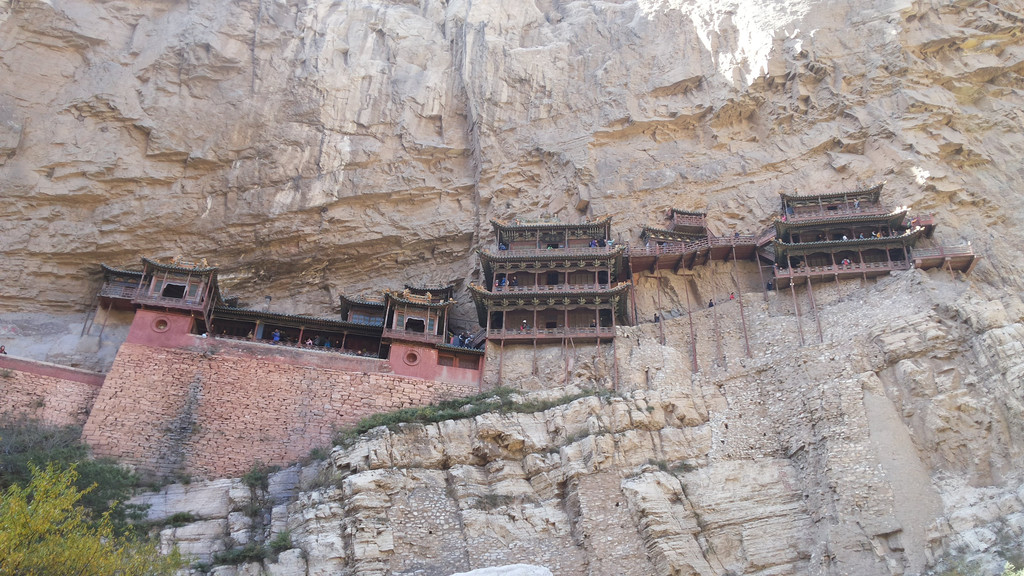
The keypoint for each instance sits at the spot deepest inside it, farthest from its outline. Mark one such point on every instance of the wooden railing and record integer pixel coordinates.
(546, 332)
(674, 248)
(297, 346)
(125, 291)
(943, 251)
(741, 240)
(856, 267)
(189, 303)
(688, 220)
(585, 251)
(552, 288)
(842, 210)
(414, 336)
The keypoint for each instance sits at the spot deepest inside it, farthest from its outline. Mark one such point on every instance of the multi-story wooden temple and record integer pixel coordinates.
(850, 235)
(552, 281)
(177, 300)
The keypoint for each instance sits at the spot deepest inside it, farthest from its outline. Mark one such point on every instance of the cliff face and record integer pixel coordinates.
(309, 148)
(892, 447)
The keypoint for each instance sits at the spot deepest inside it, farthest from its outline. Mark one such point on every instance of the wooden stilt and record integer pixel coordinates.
(661, 313)
(817, 318)
(501, 360)
(796, 306)
(743, 317)
(90, 314)
(105, 316)
(615, 363)
(535, 352)
(693, 339)
(949, 265)
(760, 273)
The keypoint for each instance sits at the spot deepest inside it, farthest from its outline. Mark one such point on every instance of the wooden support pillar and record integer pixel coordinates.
(693, 339)
(301, 330)
(501, 359)
(661, 312)
(814, 308)
(760, 274)
(105, 316)
(743, 317)
(796, 307)
(949, 264)
(863, 266)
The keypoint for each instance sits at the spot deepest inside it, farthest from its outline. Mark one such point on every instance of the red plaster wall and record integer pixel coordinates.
(145, 329)
(53, 394)
(214, 409)
(426, 367)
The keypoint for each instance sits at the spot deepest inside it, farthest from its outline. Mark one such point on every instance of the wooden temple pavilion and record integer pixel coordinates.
(184, 287)
(851, 235)
(686, 243)
(552, 281)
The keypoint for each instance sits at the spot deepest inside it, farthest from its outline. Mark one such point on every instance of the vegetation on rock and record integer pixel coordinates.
(46, 531)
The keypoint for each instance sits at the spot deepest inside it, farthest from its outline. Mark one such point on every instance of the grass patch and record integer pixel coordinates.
(499, 400)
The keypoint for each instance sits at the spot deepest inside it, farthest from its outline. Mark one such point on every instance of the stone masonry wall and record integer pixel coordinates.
(54, 395)
(212, 413)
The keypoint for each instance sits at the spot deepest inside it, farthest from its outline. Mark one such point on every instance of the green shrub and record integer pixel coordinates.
(280, 543)
(497, 400)
(25, 442)
(258, 477)
(251, 552)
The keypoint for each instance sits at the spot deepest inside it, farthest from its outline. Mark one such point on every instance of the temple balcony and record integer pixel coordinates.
(786, 276)
(413, 336)
(811, 213)
(530, 334)
(960, 258)
(196, 302)
(677, 255)
(120, 290)
(578, 251)
(545, 288)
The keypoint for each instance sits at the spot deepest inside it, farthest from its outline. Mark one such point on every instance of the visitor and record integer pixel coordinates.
(275, 336)
(515, 281)
(502, 246)
(732, 296)
(593, 243)
(524, 326)
(711, 303)
(309, 342)
(249, 335)
(3, 350)
(656, 318)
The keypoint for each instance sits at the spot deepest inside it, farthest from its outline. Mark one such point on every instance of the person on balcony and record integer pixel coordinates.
(524, 327)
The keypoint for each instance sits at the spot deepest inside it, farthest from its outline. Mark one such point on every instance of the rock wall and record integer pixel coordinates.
(876, 448)
(53, 395)
(311, 147)
(214, 412)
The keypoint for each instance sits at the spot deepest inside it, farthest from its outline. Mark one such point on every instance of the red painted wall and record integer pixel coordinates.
(425, 365)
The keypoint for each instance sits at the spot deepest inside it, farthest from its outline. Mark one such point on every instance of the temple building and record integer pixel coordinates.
(848, 235)
(685, 243)
(174, 302)
(552, 281)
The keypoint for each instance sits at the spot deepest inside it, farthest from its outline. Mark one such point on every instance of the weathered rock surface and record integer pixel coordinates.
(876, 449)
(310, 148)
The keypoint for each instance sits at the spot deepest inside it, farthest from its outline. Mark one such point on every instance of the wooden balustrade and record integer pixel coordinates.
(943, 251)
(550, 288)
(571, 332)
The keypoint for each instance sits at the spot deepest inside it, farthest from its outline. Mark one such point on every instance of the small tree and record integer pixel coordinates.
(44, 531)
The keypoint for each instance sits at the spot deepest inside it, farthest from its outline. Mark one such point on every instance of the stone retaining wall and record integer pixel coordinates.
(212, 411)
(54, 395)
